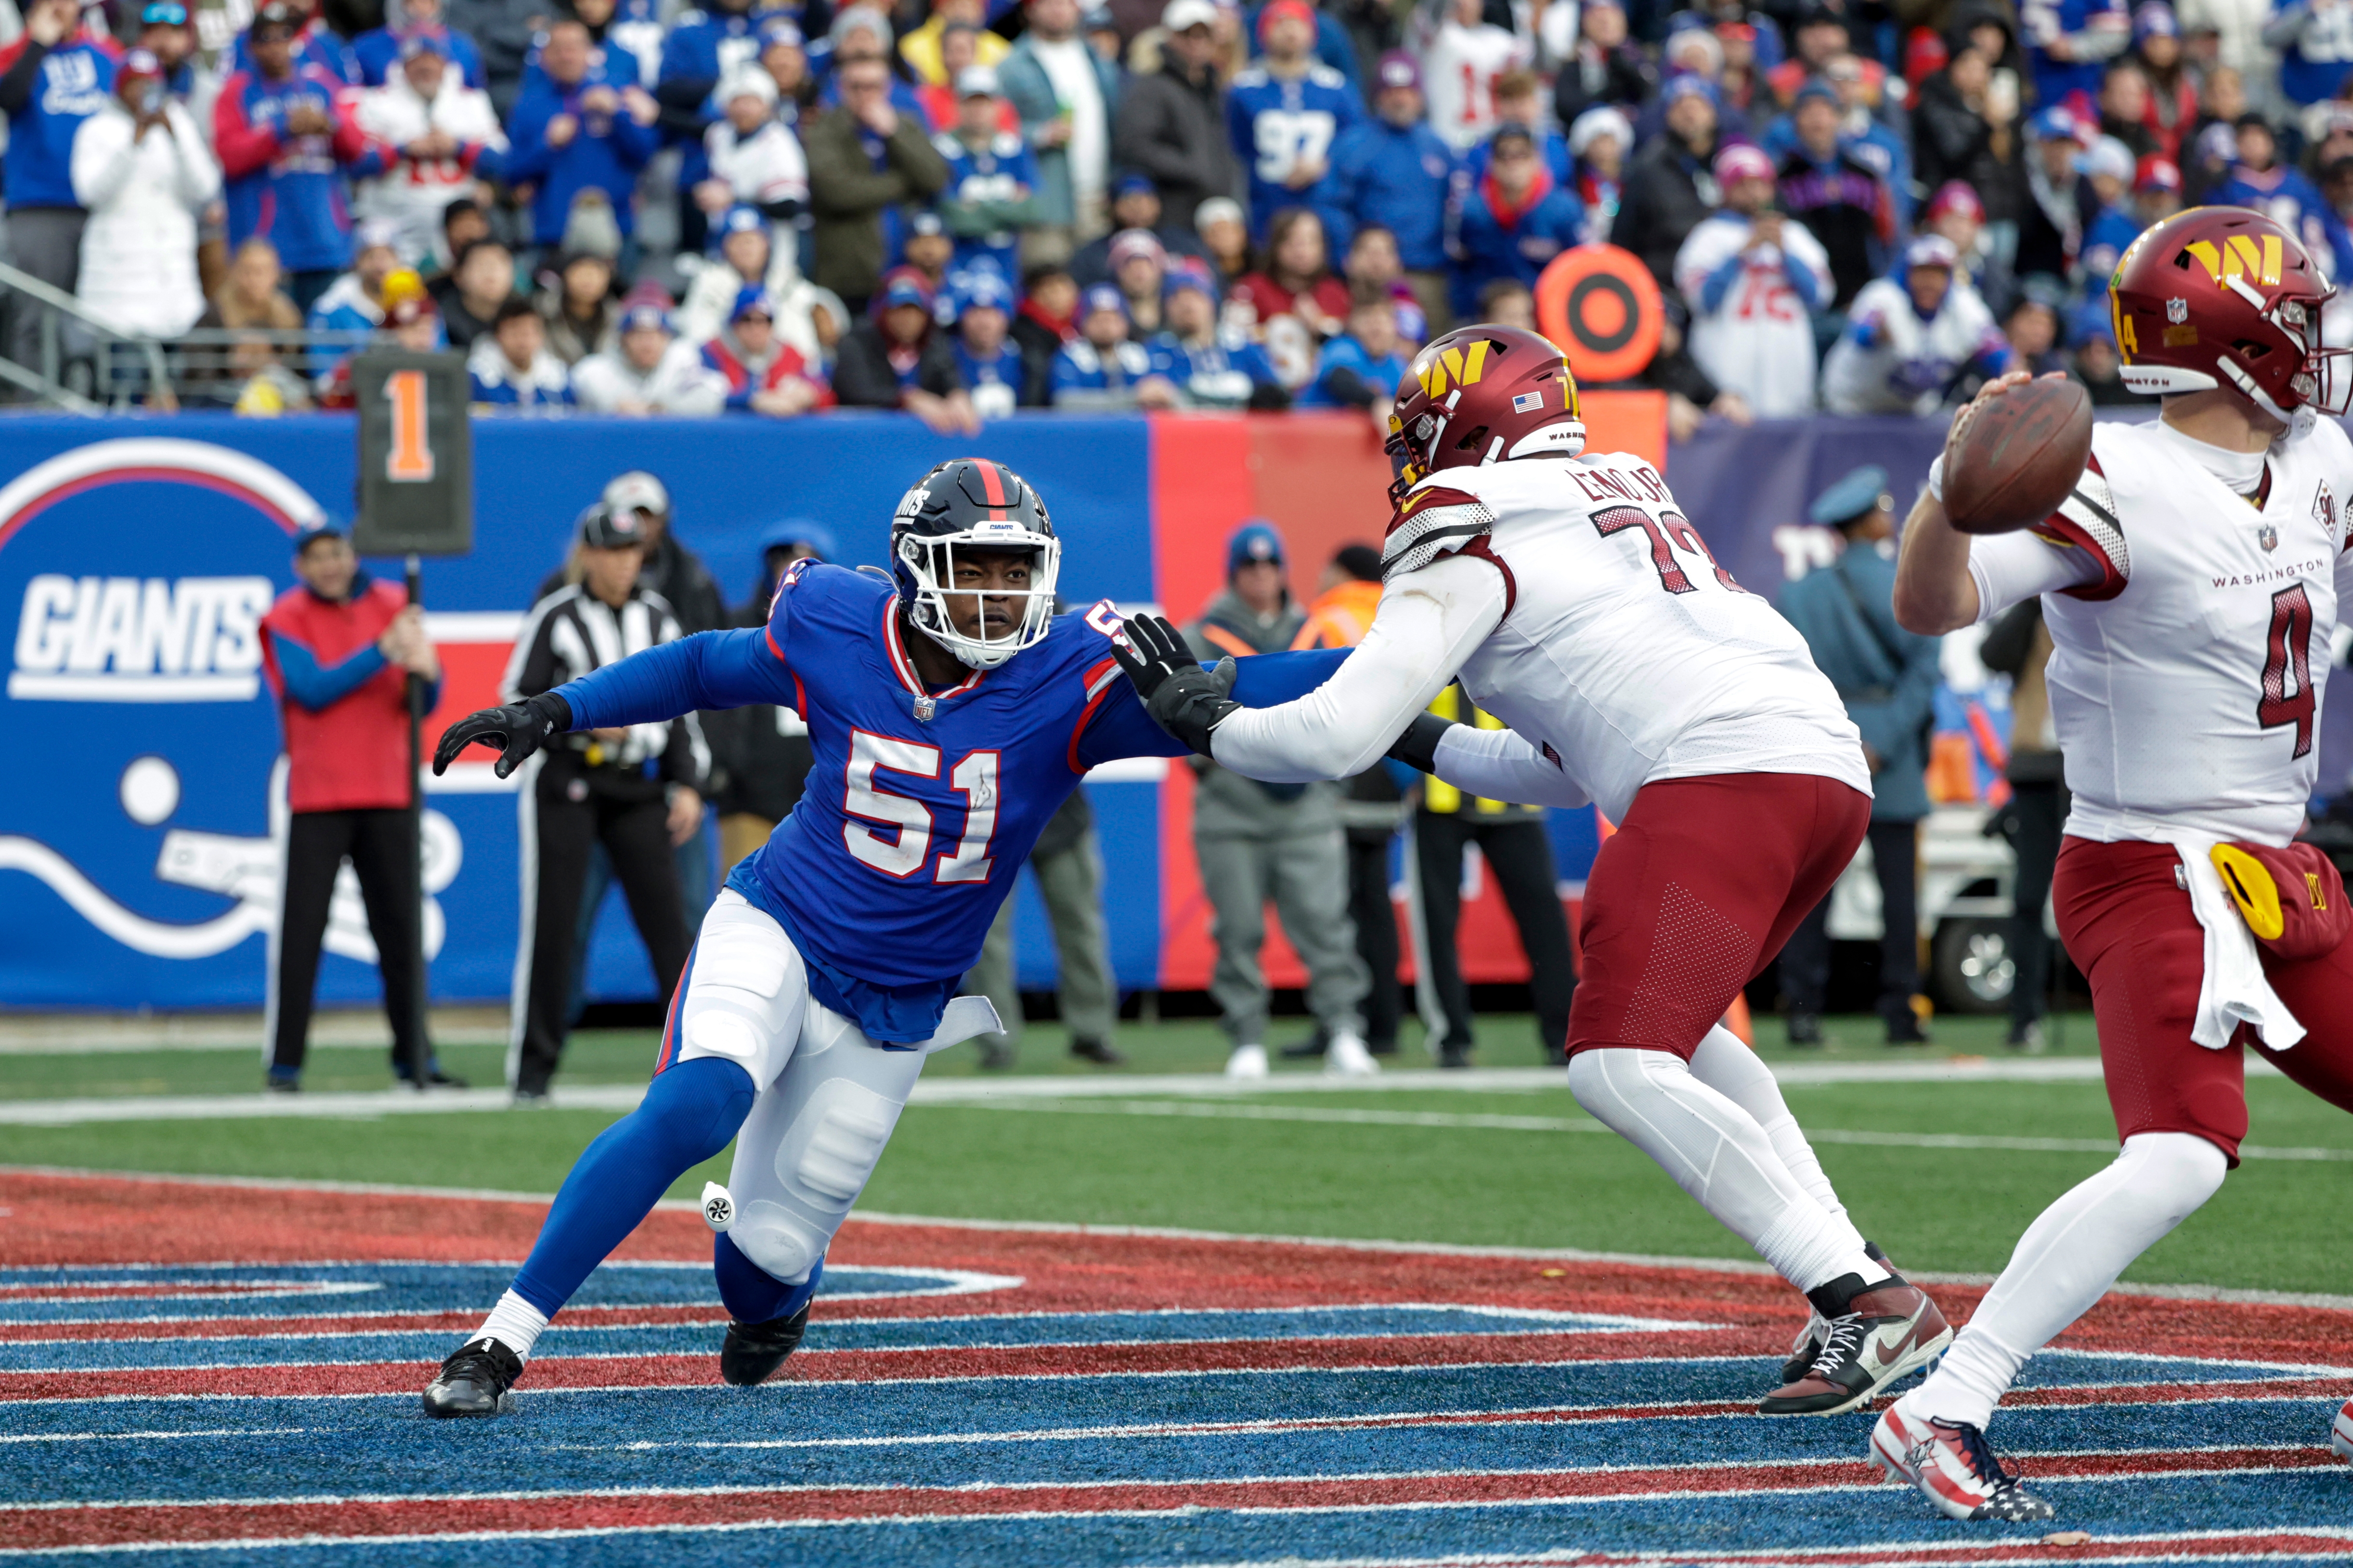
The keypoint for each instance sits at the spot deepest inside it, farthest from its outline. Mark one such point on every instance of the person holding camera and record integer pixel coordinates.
(1754, 277)
(140, 166)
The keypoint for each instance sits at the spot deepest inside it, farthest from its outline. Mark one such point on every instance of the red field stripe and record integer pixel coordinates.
(2185, 1547)
(1178, 1356)
(50, 1528)
(2182, 1393)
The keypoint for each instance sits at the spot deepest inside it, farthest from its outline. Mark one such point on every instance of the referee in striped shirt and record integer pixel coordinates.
(637, 791)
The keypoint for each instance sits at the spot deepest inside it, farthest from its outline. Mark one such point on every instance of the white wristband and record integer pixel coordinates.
(1936, 479)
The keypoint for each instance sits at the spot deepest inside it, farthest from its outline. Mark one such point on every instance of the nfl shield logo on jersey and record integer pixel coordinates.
(2267, 536)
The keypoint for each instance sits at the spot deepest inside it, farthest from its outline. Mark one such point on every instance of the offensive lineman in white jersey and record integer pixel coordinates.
(2190, 586)
(1580, 608)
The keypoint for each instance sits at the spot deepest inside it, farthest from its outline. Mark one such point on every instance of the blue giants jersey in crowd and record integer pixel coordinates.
(1277, 125)
(923, 803)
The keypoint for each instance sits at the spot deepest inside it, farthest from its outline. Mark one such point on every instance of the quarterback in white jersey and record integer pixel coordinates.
(1579, 606)
(2190, 585)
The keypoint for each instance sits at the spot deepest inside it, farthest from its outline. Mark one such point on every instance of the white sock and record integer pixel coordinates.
(1717, 1153)
(1733, 1070)
(514, 1323)
(2065, 1262)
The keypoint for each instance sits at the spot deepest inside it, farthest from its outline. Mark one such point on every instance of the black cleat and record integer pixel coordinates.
(755, 1350)
(1808, 1347)
(1100, 1052)
(434, 1077)
(474, 1381)
(1805, 1029)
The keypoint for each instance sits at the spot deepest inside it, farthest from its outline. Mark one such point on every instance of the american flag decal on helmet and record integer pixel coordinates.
(1523, 402)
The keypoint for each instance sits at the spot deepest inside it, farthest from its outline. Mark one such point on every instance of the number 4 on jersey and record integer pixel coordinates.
(2287, 668)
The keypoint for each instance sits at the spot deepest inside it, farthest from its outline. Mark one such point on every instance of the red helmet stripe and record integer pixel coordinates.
(995, 485)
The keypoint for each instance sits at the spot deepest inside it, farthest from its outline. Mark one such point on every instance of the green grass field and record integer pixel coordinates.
(1253, 1165)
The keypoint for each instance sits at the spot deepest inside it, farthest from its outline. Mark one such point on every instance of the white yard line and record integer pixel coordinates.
(66, 1112)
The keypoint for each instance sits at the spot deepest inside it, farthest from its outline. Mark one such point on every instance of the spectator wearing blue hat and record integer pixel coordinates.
(899, 358)
(1211, 364)
(1668, 185)
(1519, 100)
(581, 127)
(1912, 337)
(1171, 126)
(1511, 224)
(1843, 201)
(378, 52)
(1392, 169)
(1887, 678)
(2053, 215)
(995, 371)
(1134, 203)
(764, 375)
(1362, 366)
(2172, 88)
(1101, 368)
(651, 372)
(511, 367)
(991, 194)
(1260, 842)
(747, 258)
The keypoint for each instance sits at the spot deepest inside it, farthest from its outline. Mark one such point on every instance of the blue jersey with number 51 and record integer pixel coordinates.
(922, 801)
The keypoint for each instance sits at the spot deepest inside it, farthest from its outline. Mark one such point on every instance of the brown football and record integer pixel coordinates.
(2016, 456)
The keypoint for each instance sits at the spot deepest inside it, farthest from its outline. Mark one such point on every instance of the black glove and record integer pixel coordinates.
(1417, 747)
(517, 730)
(1184, 698)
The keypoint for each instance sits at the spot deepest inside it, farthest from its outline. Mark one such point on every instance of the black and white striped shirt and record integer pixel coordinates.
(570, 632)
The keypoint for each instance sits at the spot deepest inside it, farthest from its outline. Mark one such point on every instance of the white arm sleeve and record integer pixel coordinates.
(1498, 764)
(2012, 567)
(1429, 623)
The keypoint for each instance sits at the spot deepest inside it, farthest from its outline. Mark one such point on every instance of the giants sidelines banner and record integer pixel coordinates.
(138, 864)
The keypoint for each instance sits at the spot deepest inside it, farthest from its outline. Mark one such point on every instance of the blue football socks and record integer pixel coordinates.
(689, 1112)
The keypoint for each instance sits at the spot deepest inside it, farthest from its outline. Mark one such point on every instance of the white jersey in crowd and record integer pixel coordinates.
(1758, 339)
(680, 383)
(413, 195)
(765, 167)
(1458, 72)
(1909, 363)
(2190, 628)
(143, 194)
(1579, 607)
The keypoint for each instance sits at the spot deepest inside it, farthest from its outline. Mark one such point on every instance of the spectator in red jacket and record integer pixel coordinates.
(288, 149)
(339, 649)
(763, 374)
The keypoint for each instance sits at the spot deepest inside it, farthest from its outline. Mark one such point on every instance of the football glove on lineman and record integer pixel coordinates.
(517, 731)
(1184, 698)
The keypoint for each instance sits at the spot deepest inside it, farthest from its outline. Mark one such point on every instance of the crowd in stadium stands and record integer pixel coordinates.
(963, 207)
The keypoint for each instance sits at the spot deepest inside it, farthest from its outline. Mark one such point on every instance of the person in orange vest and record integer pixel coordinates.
(1372, 807)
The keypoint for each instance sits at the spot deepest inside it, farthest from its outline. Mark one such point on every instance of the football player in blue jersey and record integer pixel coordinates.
(951, 713)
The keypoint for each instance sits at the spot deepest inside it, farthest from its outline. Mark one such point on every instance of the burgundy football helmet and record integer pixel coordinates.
(2224, 295)
(1477, 394)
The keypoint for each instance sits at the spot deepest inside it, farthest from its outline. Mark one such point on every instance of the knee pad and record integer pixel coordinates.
(822, 1163)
